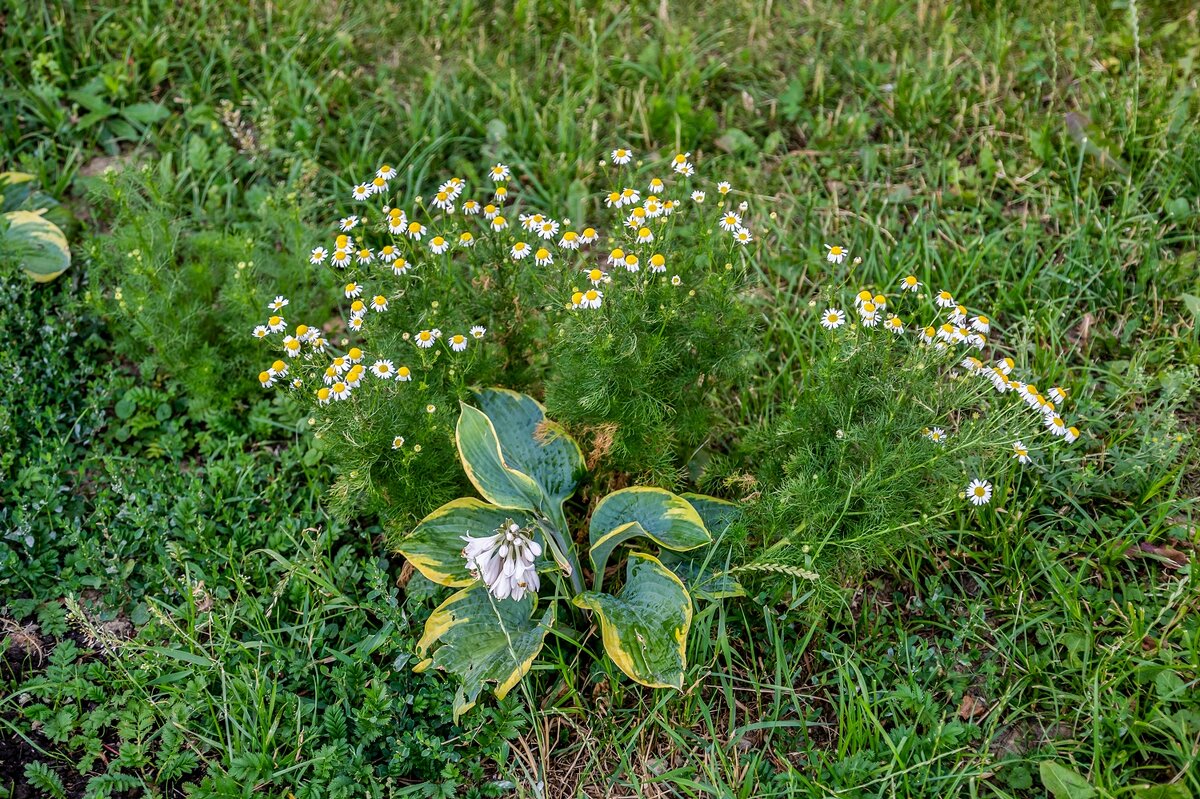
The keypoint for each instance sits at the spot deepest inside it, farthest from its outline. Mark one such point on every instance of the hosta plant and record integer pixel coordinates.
(513, 558)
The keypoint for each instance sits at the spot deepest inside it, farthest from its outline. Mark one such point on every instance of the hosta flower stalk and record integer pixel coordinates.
(504, 561)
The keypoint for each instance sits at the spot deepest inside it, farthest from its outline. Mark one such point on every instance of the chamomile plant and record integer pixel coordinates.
(511, 553)
(911, 416)
(626, 317)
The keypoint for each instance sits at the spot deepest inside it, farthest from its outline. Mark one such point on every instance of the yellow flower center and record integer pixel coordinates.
(414, 227)
(542, 254)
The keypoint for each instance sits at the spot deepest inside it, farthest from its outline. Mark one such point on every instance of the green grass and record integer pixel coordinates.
(1037, 159)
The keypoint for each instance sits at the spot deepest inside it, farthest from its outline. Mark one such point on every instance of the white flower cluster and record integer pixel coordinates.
(504, 561)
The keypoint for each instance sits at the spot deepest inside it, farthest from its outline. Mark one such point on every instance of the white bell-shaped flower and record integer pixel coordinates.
(504, 561)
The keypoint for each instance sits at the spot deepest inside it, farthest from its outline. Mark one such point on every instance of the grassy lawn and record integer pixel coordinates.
(188, 605)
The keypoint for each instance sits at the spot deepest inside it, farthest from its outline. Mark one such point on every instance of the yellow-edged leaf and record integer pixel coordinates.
(435, 545)
(484, 641)
(645, 627)
(39, 245)
(655, 513)
(486, 467)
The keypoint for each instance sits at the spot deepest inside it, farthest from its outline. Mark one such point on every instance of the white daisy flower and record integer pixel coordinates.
(910, 283)
(379, 303)
(979, 492)
(348, 223)
(404, 374)
(425, 339)
(937, 435)
(833, 318)
(318, 255)
(520, 250)
(361, 192)
(277, 304)
(260, 331)
(499, 172)
(835, 254)
(622, 156)
(438, 245)
(944, 299)
(458, 342)
(697, 197)
(742, 236)
(478, 331)
(397, 442)
(730, 222)
(1021, 453)
(383, 369)
(543, 257)
(723, 187)
(276, 324)
(592, 298)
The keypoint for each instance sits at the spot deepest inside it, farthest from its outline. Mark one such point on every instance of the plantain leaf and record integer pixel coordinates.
(39, 245)
(1064, 782)
(655, 513)
(486, 466)
(645, 628)
(483, 640)
(435, 545)
(535, 446)
(705, 571)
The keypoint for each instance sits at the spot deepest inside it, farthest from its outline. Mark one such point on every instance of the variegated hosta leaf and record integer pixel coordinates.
(645, 627)
(705, 571)
(39, 245)
(665, 518)
(484, 641)
(435, 545)
(535, 446)
(486, 467)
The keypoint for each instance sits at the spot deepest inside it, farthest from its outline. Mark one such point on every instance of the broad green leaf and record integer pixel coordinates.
(655, 513)
(14, 188)
(145, 113)
(486, 468)
(435, 545)
(705, 571)
(483, 640)
(1167, 790)
(38, 244)
(645, 628)
(535, 446)
(1063, 782)
(717, 514)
